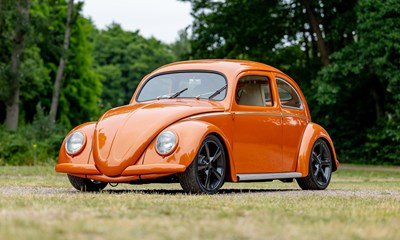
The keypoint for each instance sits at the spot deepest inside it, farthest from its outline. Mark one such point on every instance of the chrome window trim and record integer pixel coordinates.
(294, 89)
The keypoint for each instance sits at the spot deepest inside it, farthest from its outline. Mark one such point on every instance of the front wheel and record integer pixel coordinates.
(206, 173)
(320, 168)
(86, 185)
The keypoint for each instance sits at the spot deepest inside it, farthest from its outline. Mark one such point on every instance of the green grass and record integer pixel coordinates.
(360, 203)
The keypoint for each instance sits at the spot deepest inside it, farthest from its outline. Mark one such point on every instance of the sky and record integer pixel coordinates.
(161, 19)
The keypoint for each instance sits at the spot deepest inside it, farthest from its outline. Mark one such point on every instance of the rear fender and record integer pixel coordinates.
(312, 133)
(191, 134)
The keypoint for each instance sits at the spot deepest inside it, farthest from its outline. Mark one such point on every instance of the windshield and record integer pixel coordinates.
(200, 85)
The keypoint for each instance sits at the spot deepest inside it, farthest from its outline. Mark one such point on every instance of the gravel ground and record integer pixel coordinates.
(357, 193)
(24, 190)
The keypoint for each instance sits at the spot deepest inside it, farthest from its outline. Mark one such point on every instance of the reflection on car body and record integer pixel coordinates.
(203, 123)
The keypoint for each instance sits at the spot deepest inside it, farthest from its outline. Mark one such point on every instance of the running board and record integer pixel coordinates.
(267, 176)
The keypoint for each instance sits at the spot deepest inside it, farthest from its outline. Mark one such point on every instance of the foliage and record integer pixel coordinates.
(182, 48)
(32, 144)
(356, 98)
(102, 71)
(122, 59)
(81, 89)
(383, 140)
(33, 74)
(360, 91)
(81, 86)
(212, 38)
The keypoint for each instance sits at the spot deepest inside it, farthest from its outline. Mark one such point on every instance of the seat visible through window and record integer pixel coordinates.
(254, 91)
(252, 95)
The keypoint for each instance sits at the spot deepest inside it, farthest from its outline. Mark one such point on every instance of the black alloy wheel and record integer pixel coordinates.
(206, 173)
(320, 168)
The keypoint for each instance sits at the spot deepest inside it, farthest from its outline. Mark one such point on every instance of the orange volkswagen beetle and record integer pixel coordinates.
(203, 123)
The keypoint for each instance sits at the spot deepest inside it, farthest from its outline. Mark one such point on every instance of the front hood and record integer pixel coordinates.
(122, 134)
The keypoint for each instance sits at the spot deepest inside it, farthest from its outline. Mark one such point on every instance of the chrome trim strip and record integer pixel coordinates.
(209, 115)
(259, 113)
(267, 176)
(294, 115)
(247, 113)
(271, 114)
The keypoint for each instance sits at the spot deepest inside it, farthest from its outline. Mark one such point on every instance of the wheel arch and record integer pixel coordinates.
(229, 163)
(332, 150)
(197, 131)
(312, 133)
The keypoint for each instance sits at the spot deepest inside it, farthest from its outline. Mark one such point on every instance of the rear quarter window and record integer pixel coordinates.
(288, 95)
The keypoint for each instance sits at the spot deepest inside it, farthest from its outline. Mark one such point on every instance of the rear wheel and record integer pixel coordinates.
(206, 173)
(320, 168)
(86, 185)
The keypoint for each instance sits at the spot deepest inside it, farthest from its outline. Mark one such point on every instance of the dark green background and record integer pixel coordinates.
(355, 96)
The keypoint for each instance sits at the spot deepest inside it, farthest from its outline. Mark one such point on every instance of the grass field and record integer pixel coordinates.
(360, 203)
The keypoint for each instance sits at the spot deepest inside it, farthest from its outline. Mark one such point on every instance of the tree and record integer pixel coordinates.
(13, 73)
(363, 84)
(122, 59)
(63, 58)
(33, 75)
(81, 91)
(6, 33)
(81, 86)
(238, 29)
(316, 29)
(182, 47)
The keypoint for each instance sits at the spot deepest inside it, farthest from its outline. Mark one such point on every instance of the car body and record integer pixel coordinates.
(203, 123)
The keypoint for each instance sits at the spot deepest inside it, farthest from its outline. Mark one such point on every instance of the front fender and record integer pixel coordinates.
(312, 133)
(83, 157)
(191, 134)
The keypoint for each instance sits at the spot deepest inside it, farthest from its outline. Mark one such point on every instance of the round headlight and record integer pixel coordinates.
(74, 142)
(166, 142)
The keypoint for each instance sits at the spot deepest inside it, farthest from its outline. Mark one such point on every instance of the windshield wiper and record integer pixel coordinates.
(177, 93)
(217, 92)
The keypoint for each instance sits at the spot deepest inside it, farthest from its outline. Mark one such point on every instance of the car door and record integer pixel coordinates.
(257, 137)
(294, 120)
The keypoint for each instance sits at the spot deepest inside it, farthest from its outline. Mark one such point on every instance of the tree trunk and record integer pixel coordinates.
(378, 94)
(21, 28)
(307, 48)
(323, 51)
(61, 65)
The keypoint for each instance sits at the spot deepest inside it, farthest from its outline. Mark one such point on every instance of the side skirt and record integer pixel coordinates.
(267, 176)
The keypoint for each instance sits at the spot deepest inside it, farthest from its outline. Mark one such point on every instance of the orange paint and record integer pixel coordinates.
(266, 137)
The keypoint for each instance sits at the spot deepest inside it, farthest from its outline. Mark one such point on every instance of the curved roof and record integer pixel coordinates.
(225, 66)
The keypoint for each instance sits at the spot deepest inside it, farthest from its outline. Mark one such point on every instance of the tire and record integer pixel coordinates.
(206, 173)
(86, 185)
(320, 168)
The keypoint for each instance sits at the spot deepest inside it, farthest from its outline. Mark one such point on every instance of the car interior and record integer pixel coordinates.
(253, 91)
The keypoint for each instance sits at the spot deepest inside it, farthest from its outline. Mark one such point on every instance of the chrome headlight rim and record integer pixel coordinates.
(82, 143)
(168, 150)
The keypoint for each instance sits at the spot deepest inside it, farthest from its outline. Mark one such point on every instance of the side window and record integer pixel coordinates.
(254, 91)
(288, 95)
